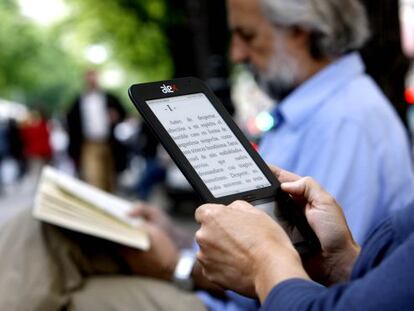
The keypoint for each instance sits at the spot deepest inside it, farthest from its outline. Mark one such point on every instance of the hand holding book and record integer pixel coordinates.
(70, 203)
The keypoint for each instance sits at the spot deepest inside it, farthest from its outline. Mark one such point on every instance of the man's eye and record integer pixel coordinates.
(247, 36)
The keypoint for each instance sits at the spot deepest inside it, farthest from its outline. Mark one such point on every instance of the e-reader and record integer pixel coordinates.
(207, 145)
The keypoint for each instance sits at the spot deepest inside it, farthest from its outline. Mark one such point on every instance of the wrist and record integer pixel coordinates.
(274, 267)
(348, 260)
(201, 282)
(340, 263)
(166, 271)
(182, 273)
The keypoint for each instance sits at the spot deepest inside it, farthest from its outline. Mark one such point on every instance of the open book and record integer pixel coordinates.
(70, 203)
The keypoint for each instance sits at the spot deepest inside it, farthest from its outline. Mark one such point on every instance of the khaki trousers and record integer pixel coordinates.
(45, 268)
(97, 165)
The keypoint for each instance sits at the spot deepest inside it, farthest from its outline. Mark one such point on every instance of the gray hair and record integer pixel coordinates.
(336, 26)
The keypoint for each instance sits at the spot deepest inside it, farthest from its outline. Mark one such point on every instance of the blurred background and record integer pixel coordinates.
(48, 48)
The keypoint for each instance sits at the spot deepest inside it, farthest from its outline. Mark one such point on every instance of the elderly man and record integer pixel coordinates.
(333, 124)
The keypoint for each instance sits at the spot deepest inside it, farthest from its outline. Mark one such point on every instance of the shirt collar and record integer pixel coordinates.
(310, 95)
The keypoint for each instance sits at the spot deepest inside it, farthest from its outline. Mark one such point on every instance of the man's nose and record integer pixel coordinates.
(238, 51)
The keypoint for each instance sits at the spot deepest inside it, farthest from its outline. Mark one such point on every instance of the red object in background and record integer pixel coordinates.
(255, 146)
(409, 95)
(35, 137)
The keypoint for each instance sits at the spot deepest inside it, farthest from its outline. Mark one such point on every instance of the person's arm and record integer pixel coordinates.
(243, 249)
(387, 287)
(202, 283)
(156, 216)
(160, 261)
(339, 250)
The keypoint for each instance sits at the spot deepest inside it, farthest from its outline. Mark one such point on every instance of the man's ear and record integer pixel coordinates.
(302, 39)
(300, 36)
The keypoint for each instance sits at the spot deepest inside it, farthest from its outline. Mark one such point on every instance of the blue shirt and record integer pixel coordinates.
(382, 277)
(340, 129)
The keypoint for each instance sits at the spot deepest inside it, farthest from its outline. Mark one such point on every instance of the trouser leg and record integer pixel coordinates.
(27, 271)
(42, 265)
(133, 294)
(46, 268)
(97, 165)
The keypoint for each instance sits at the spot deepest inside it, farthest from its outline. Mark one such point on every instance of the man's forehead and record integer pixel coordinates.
(244, 12)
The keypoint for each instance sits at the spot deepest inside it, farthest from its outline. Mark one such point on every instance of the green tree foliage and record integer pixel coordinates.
(44, 65)
(33, 67)
(134, 29)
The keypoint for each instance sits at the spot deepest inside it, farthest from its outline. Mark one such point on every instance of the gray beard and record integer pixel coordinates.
(282, 73)
(276, 88)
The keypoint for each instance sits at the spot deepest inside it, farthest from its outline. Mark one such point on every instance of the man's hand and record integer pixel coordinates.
(243, 249)
(157, 217)
(159, 261)
(327, 220)
(152, 215)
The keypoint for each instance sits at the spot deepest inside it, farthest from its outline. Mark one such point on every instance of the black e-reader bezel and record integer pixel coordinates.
(141, 93)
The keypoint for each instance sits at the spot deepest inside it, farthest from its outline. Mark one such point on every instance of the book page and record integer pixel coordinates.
(108, 203)
(69, 203)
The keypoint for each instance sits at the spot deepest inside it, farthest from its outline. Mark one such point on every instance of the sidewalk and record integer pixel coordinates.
(16, 197)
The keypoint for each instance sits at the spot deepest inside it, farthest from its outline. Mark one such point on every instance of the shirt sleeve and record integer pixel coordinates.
(345, 162)
(382, 280)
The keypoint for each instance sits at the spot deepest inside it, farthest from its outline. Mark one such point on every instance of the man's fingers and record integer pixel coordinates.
(295, 188)
(300, 188)
(206, 211)
(152, 230)
(242, 206)
(199, 213)
(142, 209)
(282, 175)
(306, 188)
(139, 210)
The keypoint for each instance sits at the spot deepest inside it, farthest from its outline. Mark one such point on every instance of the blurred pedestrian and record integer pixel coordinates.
(93, 146)
(36, 141)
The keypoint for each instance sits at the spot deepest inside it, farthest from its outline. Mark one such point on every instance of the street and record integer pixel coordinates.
(16, 197)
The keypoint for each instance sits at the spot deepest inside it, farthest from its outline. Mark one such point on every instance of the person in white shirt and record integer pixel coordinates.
(92, 145)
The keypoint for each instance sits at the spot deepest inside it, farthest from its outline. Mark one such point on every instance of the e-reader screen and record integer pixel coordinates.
(209, 145)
